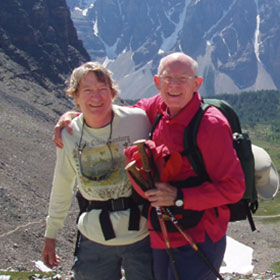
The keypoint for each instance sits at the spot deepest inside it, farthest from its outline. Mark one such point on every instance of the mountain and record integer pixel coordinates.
(39, 48)
(38, 44)
(236, 42)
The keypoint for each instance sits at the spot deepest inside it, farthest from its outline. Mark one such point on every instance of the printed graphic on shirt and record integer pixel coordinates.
(97, 163)
(100, 169)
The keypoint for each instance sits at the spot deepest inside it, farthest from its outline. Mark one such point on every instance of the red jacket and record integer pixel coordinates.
(215, 142)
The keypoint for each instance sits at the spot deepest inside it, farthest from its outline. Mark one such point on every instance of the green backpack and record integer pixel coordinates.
(249, 203)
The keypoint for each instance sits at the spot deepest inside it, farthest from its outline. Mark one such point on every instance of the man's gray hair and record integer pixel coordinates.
(179, 55)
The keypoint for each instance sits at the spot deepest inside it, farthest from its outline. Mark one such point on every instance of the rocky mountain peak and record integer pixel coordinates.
(41, 38)
(236, 42)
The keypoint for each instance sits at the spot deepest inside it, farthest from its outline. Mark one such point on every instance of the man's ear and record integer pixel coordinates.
(198, 82)
(157, 81)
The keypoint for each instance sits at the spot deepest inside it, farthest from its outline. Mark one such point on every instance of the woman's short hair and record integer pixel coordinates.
(103, 75)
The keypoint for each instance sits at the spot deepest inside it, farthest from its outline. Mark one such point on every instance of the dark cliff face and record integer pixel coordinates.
(40, 37)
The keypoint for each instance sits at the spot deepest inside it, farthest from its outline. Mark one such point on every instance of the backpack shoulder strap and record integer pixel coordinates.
(156, 121)
(191, 149)
(227, 111)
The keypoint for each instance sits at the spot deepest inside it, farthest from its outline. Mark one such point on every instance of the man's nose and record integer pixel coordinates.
(175, 80)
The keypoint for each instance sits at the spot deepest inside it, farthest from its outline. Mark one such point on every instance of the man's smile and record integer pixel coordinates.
(95, 105)
(174, 93)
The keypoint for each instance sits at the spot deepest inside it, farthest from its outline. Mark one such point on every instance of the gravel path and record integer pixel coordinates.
(265, 241)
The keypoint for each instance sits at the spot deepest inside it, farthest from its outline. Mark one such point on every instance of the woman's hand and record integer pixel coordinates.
(49, 256)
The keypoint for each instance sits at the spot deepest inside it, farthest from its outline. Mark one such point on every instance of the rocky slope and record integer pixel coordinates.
(38, 50)
(26, 167)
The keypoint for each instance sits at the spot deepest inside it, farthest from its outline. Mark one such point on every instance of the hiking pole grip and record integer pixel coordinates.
(135, 174)
(145, 161)
(145, 158)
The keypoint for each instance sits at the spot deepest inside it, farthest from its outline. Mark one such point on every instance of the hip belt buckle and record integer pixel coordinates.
(119, 204)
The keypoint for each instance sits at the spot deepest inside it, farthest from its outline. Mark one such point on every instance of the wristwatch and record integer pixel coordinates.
(179, 202)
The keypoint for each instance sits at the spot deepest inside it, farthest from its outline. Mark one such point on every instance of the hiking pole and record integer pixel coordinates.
(147, 169)
(188, 238)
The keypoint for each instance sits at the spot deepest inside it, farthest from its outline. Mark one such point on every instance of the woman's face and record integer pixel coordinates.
(95, 100)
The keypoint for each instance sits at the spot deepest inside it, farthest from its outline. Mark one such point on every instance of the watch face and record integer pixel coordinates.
(179, 202)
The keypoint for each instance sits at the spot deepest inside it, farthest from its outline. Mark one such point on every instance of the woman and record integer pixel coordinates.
(113, 233)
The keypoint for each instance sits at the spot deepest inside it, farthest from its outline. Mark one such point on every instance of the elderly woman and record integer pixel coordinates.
(113, 234)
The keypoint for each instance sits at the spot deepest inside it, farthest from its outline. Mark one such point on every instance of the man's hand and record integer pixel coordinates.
(163, 195)
(49, 256)
(63, 122)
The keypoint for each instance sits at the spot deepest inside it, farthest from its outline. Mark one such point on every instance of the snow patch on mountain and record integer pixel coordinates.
(257, 33)
(110, 50)
(169, 43)
(263, 80)
(132, 84)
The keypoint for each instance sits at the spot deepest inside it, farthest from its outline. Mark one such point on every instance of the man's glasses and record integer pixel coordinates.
(96, 163)
(179, 80)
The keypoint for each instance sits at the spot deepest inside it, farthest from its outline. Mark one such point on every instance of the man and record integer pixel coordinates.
(178, 101)
(113, 234)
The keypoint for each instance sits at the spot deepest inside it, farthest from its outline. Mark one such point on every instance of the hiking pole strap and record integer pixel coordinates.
(188, 238)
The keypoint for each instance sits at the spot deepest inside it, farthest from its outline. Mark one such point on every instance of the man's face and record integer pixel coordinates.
(177, 83)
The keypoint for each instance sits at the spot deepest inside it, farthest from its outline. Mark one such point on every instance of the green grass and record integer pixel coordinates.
(26, 275)
(259, 136)
(276, 267)
(269, 207)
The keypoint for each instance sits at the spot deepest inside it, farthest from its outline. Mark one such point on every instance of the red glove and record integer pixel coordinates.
(172, 167)
(165, 166)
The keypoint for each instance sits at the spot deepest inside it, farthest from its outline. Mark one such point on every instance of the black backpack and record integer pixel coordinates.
(248, 204)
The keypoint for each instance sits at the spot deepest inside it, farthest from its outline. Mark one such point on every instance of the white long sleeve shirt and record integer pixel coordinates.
(129, 124)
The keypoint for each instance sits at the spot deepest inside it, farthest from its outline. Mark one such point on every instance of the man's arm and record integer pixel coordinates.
(63, 122)
(149, 105)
